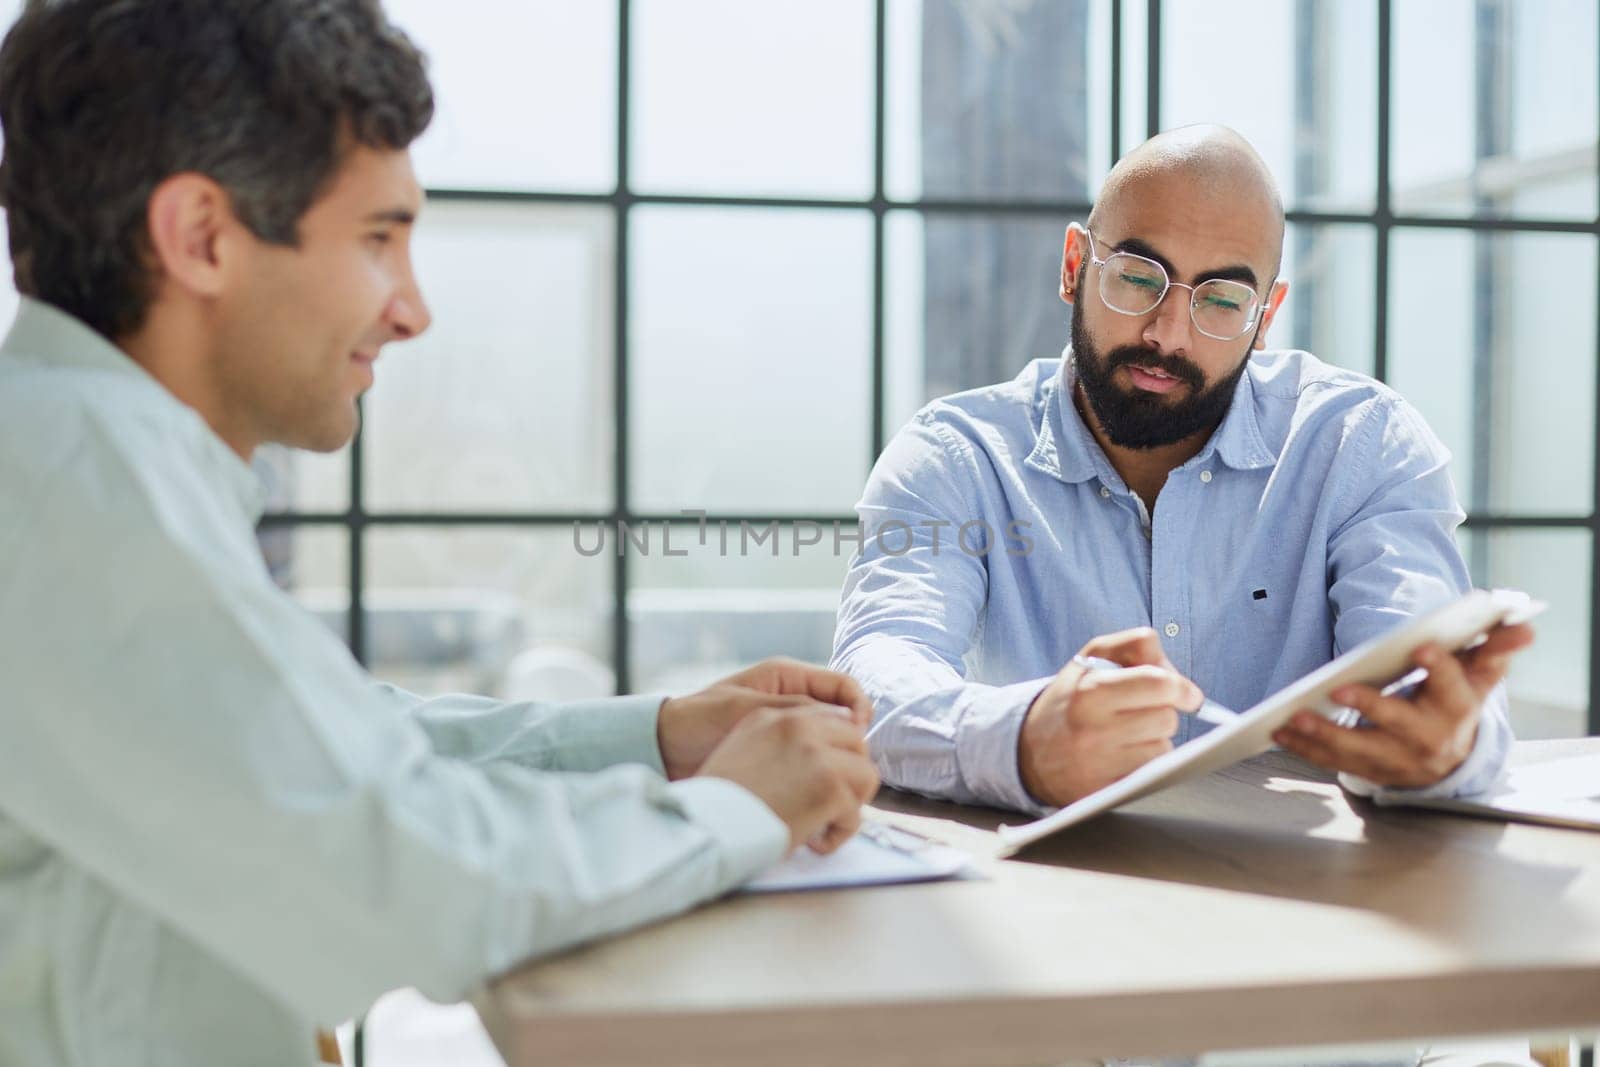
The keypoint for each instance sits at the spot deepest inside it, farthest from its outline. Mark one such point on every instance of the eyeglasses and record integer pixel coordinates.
(1133, 285)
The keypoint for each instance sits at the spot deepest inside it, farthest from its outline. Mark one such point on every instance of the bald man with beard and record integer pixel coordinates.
(1216, 518)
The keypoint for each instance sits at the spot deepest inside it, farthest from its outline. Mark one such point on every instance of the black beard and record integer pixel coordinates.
(1138, 419)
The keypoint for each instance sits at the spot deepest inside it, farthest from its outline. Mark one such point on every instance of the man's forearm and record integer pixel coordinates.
(587, 735)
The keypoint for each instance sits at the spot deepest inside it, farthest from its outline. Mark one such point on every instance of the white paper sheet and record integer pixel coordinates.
(1564, 792)
(879, 855)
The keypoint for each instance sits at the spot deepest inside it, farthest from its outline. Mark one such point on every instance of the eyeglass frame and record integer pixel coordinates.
(1255, 316)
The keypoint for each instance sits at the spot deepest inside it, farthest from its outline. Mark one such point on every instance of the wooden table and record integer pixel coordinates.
(1259, 907)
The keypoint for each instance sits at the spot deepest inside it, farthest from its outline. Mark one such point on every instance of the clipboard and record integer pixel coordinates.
(1380, 662)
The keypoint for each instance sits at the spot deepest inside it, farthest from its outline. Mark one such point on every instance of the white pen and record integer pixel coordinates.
(1208, 711)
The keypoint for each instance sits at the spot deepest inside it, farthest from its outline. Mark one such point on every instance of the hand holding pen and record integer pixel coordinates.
(1113, 708)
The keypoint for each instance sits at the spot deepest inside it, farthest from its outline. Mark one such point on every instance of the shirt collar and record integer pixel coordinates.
(1238, 441)
(46, 334)
(1066, 449)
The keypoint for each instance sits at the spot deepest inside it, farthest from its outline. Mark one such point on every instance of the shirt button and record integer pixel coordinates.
(1205, 476)
(1172, 629)
(1105, 491)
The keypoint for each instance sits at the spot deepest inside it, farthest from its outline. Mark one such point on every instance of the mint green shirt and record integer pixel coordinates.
(216, 831)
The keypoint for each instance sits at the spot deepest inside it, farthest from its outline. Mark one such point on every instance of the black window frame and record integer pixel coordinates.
(356, 520)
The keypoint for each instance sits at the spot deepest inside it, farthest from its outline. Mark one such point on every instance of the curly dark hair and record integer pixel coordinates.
(102, 100)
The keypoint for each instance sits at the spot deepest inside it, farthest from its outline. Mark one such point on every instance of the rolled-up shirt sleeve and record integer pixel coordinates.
(908, 616)
(1396, 557)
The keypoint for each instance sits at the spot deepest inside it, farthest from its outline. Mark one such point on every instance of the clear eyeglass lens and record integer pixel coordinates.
(1223, 309)
(1131, 284)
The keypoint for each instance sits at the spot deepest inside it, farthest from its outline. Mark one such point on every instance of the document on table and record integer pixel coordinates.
(879, 854)
(1564, 792)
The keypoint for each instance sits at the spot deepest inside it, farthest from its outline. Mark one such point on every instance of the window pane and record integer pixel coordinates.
(519, 614)
(968, 302)
(996, 100)
(752, 99)
(1097, 157)
(1298, 80)
(1135, 75)
(506, 402)
(525, 93)
(1492, 337)
(312, 564)
(751, 359)
(1330, 306)
(1549, 683)
(747, 593)
(297, 480)
(1520, 137)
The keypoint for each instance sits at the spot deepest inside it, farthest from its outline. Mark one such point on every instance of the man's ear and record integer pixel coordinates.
(189, 219)
(1270, 312)
(1073, 250)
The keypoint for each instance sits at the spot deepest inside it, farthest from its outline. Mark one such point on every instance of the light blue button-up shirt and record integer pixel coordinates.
(1319, 515)
(216, 831)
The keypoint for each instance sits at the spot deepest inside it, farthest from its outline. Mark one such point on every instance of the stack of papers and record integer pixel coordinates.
(879, 854)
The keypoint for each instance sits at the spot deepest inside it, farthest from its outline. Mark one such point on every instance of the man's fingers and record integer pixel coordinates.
(752, 699)
(855, 781)
(1317, 751)
(1373, 754)
(1121, 762)
(774, 675)
(841, 690)
(1102, 694)
(755, 698)
(1420, 729)
(1446, 690)
(1134, 726)
(837, 833)
(789, 677)
(1140, 646)
(831, 726)
(858, 774)
(1487, 664)
(1505, 639)
(1428, 721)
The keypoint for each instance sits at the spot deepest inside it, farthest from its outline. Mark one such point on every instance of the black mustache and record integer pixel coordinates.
(1144, 359)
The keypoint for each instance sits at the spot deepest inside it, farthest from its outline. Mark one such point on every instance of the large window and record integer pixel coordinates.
(707, 255)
